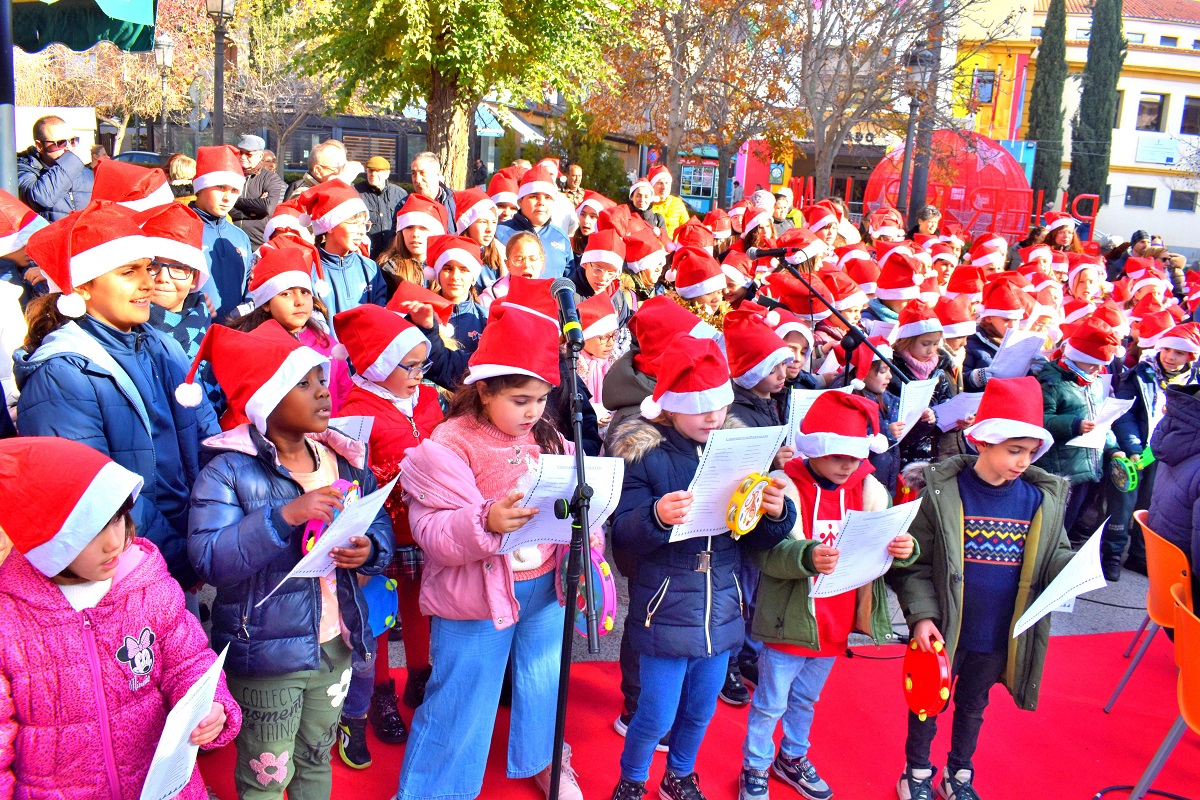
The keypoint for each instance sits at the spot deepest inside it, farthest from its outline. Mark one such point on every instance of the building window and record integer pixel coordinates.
(1135, 38)
(1150, 112)
(983, 87)
(1191, 116)
(1083, 34)
(1120, 107)
(1196, 44)
(1139, 196)
(1035, 32)
(1182, 201)
(1107, 193)
(1168, 41)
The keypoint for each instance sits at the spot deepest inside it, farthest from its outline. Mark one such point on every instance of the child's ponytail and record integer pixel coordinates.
(44, 318)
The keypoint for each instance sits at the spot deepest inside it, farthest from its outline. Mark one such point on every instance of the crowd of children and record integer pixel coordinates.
(177, 398)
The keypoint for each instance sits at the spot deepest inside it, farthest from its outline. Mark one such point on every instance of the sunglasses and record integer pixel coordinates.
(60, 144)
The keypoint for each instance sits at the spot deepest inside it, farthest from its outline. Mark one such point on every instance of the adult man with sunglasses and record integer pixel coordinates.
(264, 190)
(52, 175)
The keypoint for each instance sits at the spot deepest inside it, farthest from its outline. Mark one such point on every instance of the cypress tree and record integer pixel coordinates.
(1091, 134)
(1046, 102)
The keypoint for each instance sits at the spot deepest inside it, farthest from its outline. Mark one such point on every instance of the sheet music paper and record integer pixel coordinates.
(1083, 573)
(1111, 410)
(862, 544)
(799, 402)
(1016, 353)
(554, 480)
(357, 428)
(957, 408)
(914, 399)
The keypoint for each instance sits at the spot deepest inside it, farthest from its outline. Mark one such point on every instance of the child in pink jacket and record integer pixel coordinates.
(98, 646)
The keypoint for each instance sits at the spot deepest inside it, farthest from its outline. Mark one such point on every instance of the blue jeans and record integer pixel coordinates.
(452, 730)
(788, 688)
(362, 686)
(679, 695)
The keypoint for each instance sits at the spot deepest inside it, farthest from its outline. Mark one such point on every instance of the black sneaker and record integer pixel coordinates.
(753, 785)
(385, 717)
(801, 775)
(395, 634)
(916, 784)
(958, 786)
(749, 672)
(674, 787)
(352, 743)
(734, 691)
(414, 687)
(1137, 565)
(629, 790)
(621, 726)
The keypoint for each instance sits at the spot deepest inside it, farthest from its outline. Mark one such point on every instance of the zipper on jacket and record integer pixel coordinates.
(708, 604)
(110, 759)
(741, 603)
(656, 600)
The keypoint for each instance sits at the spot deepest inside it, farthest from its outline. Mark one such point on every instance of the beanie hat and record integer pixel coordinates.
(799, 299)
(846, 293)
(177, 233)
(470, 205)
(1059, 219)
(850, 252)
(255, 369)
(693, 378)
(136, 188)
(288, 216)
(917, 318)
(17, 223)
(84, 245)
(755, 217)
(864, 357)
(752, 347)
(1011, 408)
(719, 223)
(657, 322)
(597, 316)
(538, 180)
(218, 165)
(657, 174)
(644, 251)
(496, 355)
(955, 315)
(58, 495)
(1153, 327)
(592, 201)
(864, 272)
(804, 245)
(841, 424)
(899, 278)
(446, 248)
(696, 273)
(376, 339)
(604, 247)
(738, 268)
(693, 234)
(1185, 337)
(279, 269)
(819, 216)
(989, 250)
(419, 211)
(1036, 251)
(1002, 299)
(1092, 342)
(885, 221)
(502, 188)
(784, 322)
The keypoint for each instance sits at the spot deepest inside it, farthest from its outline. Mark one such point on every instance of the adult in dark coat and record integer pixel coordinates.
(1175, 504)
(263, 191)
(383, 199)
(52, 175)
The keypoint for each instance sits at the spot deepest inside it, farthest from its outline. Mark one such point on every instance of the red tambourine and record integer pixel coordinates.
(926, 679)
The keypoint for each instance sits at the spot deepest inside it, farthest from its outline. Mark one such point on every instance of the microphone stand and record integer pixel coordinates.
(580, 554)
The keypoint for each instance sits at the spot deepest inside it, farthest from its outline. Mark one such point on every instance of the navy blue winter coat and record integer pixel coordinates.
(53, 191)
(980, 352)
(353, 280)
(1141, 384)
(240, 544)
(754, 411)
(676, 611)
(1175, 504)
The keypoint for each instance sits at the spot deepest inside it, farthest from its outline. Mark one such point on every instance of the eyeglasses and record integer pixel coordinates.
(526, 259)
(603, 272)
(176, 271)
(60, 144)
(418, 370)
(365, 224)
(608, 338)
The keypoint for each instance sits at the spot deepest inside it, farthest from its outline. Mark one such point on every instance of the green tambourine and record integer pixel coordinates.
(1124, 470)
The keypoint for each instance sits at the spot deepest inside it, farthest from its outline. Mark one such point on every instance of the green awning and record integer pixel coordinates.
(80, 24)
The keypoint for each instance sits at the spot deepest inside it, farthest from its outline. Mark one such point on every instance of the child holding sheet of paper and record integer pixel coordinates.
(685, 600)
(97, 643)
(991, 538)
(289, 655)
(803, 636)
(918, 358)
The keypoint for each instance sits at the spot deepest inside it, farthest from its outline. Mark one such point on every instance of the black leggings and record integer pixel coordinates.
(974, 676)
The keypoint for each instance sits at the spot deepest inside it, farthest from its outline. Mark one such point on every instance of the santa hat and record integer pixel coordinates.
(784, 322)
(1136, 266)
(1075, 310)
(850, 252)
(943, 252)
(597, 316)
(841, 424)
(719, 223)
(282, 268)
(696, 273)
(1153, 327)
(1059, 219)
(657, 322)
(989, 250)
(84, 245)
(846, 293)
(753, 348)
(459, 249)
(693, 378)
(58, 496)
(952, 234)
(604, 247)
(289, 216)
(644, 251)
(419, 211)
(885, 222)
(619, 219)
(409, 292)
(864, 272)
(657, 174)
(1038, 280)
(819, 216)
(538, 180)
(1059, 263)
(899, 278)
(1036, 251)
(1109, 312)
(502, 188)
(641, 183)
(497, 355)
(1078, 262)
(592, 201)
(925, 241)
(1011, 408)
(931, 290)
(738, 268)
(1185, 337)
(864, 357)
(1145, 307)
(917, 318)
(885, 251)
(1150, 279)
(470, 205)
(955, 315)
(754, 218)
(1093, 342)
(177, 233)
(693, 234)
(1121, 290)
(17, 223)
(376, 339)
(330, 204)
(803, 243)
(551, 165)
(137, 188)
(799, 299)
(255, 369)
(1003, 299)
(531, 295)
(218, 165)
(738, 211)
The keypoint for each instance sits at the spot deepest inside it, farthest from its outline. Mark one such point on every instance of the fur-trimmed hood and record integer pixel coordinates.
(637, 437)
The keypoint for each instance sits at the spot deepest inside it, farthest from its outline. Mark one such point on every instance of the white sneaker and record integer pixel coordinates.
(958, 786)
(568, 784)
(915, 784)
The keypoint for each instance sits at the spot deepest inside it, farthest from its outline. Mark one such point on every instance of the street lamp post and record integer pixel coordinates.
(164, 56)
(221, 12)
(920, 67)
(923, 153)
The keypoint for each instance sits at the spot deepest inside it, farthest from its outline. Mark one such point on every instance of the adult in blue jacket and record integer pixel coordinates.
(1175, 505)
(227, 249)
(534, 217)
(52, 175)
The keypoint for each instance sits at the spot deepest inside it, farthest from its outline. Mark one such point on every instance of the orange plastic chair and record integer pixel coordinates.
(1166, 565)
(1187, 655)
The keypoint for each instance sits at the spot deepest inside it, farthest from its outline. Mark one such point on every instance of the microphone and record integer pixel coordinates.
(755, 253)
(564, 295)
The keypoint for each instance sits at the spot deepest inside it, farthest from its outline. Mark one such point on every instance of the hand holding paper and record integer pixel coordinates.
(1109, 412)
(914, 402)
(210, 727)
(552, 481)
(864, 548)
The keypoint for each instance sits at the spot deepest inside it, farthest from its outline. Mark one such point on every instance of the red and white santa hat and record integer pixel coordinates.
(330, 204)
(592, 201)
(58, 495)
(84, 245)
(1079, 262)
(917, 318)
(864, 357)
(218, 165)
(841, 424)
(885, 222)
(1185, 337)
(1059, 219)
(604, 247)
(532, 296)
(850, 252)
(281, 268)
(536, 357)
(719, 223)
(644, 251)
(1136, 266)
(752, 347)
(136, 188)
(940, 251)
(1059, 264)
(755, 217)
(846, 293)
(989, 250)
(1075, 310)
(693, 378)
(738, 268)
(409, 292)
(819, 216)
(17, 223)
(1153, 327)
(925, 241)
(658, 173)
(884, 251)
(502, 188)
(955, 315)
(289, 216)
(797, 297)
(656, 324)
(255, 369)
(1145, 307)
(419, 211)
(445, 248)
(900, 278)
(1038, 280)
(1151, 278)
(783, 322)
(1011, 408)
(864, 272)
(597, 316)
(1093, 341)
(1034, 252)
(931, 290)
(177, 233)
(692, 233)
(377, 340)
(803, 244)
(738, 211)
(641, 183)
(696, 273)
(538, 180)
(952, 233)
(470, 205)
(1003, 299)
(967, 281)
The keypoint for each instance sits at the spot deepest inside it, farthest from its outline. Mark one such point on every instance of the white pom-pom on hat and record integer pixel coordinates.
(651, 409)
(878, 443)
(339, 352)
(188, 395)
(773, 318)
(322, 287)
(857, 385)
(430, 273)
(71, 305)
(446, 331)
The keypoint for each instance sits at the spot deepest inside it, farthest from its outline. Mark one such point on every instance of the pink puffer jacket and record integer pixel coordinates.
(84, 695)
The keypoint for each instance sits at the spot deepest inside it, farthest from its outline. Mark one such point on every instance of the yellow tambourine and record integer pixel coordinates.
(745, 507)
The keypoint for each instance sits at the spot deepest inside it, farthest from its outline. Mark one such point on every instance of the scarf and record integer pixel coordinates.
(1166, 378)
(405, 405)
(956, 359)
(921, 370)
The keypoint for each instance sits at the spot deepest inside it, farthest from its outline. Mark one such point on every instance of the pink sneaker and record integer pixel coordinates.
(568, 785)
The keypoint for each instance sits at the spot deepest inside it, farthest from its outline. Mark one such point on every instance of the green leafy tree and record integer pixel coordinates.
(1091, 130)
(449, 55)
(1046, 102)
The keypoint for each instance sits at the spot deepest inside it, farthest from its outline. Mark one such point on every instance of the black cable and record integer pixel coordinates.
(1155, 792)
(1111, 605)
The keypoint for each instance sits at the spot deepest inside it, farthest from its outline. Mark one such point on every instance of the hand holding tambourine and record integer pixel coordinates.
(756, 495)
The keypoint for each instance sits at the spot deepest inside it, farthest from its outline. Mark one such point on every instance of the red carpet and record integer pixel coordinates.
(1069, 748)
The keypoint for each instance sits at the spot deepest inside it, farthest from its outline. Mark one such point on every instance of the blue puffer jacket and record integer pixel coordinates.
(1175, 504)
(353, 280)
(73, 388)
(1141, 384)
(557, 246)
(240, 544)
(53, 191)
(228, 251)
(676, 611)
(980, 353)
